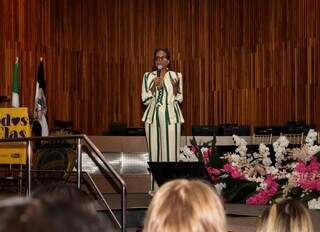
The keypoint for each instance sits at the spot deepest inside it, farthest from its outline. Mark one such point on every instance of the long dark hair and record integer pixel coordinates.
(168, 56)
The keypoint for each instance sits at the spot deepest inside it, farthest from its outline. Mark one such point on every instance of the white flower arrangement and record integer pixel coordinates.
(311, 137)
(187, 155)
(219, 188)
(279, 148)
(204, 149)
(308, 150)
(241, 145)
(314, 203)
(282, 178)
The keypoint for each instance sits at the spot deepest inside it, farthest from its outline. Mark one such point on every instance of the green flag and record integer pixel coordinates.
(15, 85)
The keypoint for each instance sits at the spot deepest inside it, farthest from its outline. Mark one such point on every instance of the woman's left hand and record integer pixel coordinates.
(175, 86)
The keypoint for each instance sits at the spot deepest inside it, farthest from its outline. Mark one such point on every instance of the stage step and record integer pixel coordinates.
(137, 205)
(135, 217)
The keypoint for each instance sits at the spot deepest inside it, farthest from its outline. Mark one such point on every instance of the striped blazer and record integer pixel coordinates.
(163, 97)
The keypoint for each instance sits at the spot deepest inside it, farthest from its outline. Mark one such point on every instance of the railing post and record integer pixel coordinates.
(29, 154)
(124, 209)
(79, 165)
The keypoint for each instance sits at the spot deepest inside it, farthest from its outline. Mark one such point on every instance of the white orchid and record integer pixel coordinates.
(241, 145)
(271, 170)
(219, 187)
(312, 150)
(204, 149)
(267, 161)
(314, 203)
(311, 137)
(279, 148)
(186, 155)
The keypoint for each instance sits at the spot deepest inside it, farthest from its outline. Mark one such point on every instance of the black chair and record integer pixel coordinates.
(136, 131)
(117, 129)
(243, 130)
(267, 130)
(4, 99)
(227, 129)
(234, 129)
(63, 124)
(205, 130)
(263, 130)
(297, 127)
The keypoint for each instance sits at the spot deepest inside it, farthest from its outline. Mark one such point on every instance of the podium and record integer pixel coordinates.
(165, 171)
(14, 123)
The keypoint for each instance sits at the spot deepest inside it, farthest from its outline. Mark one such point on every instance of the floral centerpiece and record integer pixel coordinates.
(260, 178)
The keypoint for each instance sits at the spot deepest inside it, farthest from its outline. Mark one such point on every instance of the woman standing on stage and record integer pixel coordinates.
(162, 92)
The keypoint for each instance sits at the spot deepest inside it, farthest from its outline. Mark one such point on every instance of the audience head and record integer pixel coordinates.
(286, 216)
(50, 213)
(189, 206)
(62, 192)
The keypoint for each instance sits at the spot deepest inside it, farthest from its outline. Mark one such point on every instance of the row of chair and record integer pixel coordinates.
(293, 138)
(245, 130)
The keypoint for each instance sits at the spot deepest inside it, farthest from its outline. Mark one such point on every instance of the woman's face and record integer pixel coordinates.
(161, 59)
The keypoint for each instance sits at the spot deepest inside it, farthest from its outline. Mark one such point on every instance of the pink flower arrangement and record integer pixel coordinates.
(314, 165)
(214, 173)
(194, 149)
(263, 196)
(310, 184)
(235, 173)
(309, 175)
(206, 154)
(255, 178)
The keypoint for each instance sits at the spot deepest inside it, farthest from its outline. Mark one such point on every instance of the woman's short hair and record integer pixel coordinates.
(286, 215)
(168, 56)
(183, 205)
(165, 50)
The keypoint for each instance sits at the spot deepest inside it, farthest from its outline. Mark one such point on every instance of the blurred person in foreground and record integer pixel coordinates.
(188, 206)
(286, 216)
(50, 213)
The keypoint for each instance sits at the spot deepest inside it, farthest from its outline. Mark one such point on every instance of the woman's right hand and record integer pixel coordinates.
(157, 84)
(158, 81)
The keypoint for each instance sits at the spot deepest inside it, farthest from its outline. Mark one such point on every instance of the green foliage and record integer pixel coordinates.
(296, 192)
(309, 196)
(215, 160)
(318, 156)
(237, 191)
(209, 144)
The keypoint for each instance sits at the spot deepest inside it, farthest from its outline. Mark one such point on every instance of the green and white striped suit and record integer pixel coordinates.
(162, 117)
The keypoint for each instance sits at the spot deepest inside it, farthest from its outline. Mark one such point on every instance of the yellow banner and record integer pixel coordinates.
(14, 123)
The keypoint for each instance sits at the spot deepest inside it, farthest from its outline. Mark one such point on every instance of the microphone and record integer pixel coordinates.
(159, 67)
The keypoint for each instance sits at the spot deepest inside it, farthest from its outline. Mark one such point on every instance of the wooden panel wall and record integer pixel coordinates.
(252, 62)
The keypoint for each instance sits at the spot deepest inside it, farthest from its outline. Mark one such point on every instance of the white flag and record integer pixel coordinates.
(40, 105)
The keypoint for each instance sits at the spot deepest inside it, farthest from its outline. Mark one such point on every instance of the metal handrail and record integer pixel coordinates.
(79, 169)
